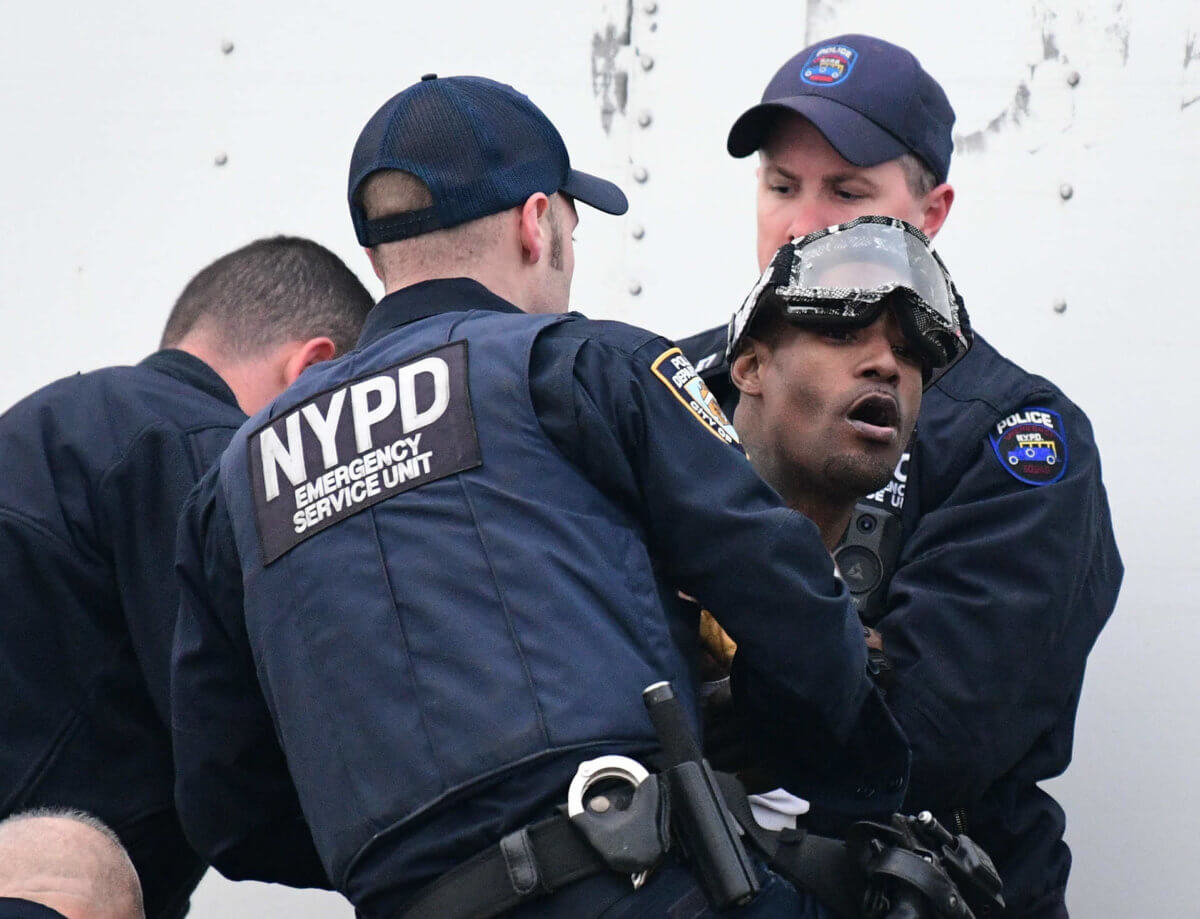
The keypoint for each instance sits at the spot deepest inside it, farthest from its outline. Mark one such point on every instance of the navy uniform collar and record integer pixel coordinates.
(429, 298)
(17, 908)
(187, 368)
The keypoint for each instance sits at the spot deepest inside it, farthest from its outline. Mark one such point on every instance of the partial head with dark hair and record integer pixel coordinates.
(274, 290)
(263, 313)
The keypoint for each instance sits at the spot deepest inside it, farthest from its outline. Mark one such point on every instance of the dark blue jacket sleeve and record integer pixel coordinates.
(999, 595)
(723, 536)
(233, 791)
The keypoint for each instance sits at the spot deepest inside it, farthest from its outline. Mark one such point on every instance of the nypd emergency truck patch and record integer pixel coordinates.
(1031, 445)
(679, 376)
(828, 65)
(349, 448)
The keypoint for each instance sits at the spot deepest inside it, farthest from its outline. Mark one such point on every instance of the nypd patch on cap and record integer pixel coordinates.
(829, 64)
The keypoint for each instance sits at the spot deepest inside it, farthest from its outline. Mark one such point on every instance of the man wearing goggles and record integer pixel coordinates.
(1005, 567)
(847, 275)
(829, 353)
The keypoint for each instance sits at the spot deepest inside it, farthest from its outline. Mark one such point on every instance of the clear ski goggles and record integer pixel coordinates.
(845, 276)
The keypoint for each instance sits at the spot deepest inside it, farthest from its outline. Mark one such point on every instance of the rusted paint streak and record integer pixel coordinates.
(1014, 113)
(819, 16)
(1049, 47)
(610, 80)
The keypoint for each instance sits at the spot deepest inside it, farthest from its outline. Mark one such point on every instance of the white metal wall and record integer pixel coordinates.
(141, 140)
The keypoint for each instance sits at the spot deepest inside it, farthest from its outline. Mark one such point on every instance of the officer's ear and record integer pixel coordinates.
(307, 353)
(746, 368)
(935, 208)
(534, 228)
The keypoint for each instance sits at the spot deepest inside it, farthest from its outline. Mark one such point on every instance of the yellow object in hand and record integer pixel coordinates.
(715, 640)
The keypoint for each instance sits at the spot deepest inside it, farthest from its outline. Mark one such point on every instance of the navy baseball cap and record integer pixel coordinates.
(870, 99)
(479, 146)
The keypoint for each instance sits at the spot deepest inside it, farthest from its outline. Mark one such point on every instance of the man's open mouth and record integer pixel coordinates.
(876, 416)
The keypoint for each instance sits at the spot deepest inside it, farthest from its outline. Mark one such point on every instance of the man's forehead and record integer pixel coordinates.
(795, 166)
(795, 148)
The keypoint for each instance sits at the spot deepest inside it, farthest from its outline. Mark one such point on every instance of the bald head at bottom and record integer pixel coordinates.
(70, 862)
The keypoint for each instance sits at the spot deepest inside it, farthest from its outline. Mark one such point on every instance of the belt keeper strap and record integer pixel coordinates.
(520, 861)
(529, 863)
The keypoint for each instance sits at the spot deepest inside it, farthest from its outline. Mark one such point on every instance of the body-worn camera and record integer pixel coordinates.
(867, 556)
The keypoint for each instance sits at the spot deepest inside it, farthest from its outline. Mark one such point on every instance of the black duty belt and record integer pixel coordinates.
(911, 864)
(529, 863)
(547, 856)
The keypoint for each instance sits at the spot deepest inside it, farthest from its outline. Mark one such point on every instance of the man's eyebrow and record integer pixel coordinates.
(838, 178)
(828, 181)
(775, 167)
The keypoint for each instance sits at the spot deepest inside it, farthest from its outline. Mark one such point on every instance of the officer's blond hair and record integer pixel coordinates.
(391, 192)
(919, 177)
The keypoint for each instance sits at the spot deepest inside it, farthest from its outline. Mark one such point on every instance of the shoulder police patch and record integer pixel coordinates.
(679, 376)
(828, 65)
(348, 448)
(1031, 445)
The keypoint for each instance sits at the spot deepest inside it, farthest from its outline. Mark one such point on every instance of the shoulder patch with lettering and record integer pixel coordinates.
(348, 448)
(1031, 445)
(679, 376)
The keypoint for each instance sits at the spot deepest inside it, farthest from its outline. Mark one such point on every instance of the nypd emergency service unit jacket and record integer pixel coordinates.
(461, 547)
(93, 471)
(1006, 574)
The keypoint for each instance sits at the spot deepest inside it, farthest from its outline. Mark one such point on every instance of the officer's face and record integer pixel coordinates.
(830, 411)
(804, 185)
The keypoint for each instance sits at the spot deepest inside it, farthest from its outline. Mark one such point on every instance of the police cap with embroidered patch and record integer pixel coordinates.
(870, 99)
(479, 146)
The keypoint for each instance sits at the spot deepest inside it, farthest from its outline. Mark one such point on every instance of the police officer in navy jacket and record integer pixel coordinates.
(432, 578)
(1008, 568)
(93, 471)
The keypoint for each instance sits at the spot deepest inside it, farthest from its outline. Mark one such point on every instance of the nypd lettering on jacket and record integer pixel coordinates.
(1031, 445)
(347, 449)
